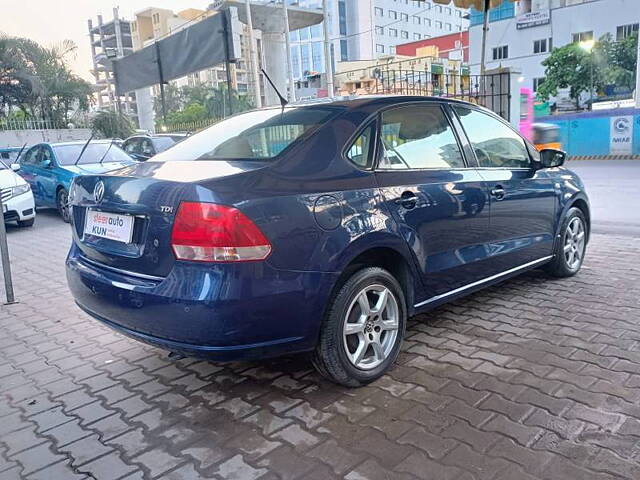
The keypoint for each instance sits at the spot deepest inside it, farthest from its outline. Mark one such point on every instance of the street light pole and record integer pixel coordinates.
(328, 64)
(485, 29)
(253, 57)
(638, 74)
(591, 83)
(292, 92)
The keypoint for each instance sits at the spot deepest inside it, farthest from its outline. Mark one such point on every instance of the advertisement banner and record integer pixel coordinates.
(621, 135)
(533, 19)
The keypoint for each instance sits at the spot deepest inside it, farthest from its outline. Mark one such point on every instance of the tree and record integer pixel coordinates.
(567, 67)
(617, 60)
(110, 124)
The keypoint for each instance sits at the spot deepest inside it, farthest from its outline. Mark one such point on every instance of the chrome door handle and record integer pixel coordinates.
(498, 193)
(408, 200)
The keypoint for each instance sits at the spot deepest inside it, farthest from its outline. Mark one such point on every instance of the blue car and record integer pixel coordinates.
(50, 167)
(320, 228)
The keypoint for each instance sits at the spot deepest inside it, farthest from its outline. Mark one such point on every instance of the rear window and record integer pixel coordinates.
(256, 135)
(163, 143)
(94, 153)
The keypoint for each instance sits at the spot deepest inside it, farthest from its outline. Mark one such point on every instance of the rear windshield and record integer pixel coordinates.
(68, 154)
(256, 135)
(162, 143)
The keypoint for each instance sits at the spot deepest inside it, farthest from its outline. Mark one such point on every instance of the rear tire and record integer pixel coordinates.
(363, 329)
(26, 223)
(571, 245)
(62, 204)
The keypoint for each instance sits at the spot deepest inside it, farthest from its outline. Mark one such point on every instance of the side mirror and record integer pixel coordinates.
(15, 167)
(550, 158)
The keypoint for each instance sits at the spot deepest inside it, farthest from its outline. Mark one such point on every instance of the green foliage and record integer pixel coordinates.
(570, 66)
(110, 124)
(38, 80)
(200, 103)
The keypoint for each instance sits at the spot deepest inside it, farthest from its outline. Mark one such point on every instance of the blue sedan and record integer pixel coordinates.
(320, 228)
(50, 167)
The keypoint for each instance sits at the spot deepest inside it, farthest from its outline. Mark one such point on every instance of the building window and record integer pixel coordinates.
(379, 48)
(416, 20)
(427, 21)
(379, 12)
(540, 46)
(393, 14)
(379, 30)
(317, 55)
(448, 10)
(155, 18)
(404, 34)
(500, 53)
(417, 36)
(344, 53)
(459, 13)
(448, 27)
(439, 8)
(392, 50)
(624, 31)
(439, 24)
(342, 17)
(581, 37)
(404, 17)
(427, 6)
(393, 32)
(537, 82)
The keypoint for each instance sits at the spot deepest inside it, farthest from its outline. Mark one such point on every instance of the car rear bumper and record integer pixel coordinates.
(223, 311)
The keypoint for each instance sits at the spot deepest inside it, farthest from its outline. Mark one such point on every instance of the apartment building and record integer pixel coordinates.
(522, 34)
(367, 29)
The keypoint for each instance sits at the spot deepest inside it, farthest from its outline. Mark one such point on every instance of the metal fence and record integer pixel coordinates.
(490, 90)
(188, 126)
(46, 124)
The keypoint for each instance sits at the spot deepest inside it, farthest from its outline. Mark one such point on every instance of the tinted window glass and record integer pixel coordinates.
(31, 157)
(360, 150)
(495, 144)
(45, 155)
(146, 147)
(162, 143)
(68, 154)
(418, 137)
(256, 135)
(132, 145)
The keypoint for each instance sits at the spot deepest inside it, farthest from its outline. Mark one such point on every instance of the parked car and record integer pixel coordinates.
(50, 167)
(17, 200)
(143, 147)
(320, 228)
(8, 155)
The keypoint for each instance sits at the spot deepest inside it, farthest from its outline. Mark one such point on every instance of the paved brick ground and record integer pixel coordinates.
(531, 379)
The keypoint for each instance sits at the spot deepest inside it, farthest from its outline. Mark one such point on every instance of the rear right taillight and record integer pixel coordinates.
(208, 232)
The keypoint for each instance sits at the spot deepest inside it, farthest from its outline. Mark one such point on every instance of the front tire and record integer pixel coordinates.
(62, 204)
(363, 329)
(571, 245)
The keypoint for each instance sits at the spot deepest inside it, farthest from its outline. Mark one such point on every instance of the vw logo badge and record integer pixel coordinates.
(98, 191)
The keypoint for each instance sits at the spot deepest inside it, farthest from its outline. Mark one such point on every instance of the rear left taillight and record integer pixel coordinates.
(208, 232)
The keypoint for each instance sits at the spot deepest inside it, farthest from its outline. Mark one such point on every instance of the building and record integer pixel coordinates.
(454, 46)
(108, 41)
(366, 29)
(521, 35)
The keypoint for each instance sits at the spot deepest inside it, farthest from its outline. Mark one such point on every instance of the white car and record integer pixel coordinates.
(17, 198)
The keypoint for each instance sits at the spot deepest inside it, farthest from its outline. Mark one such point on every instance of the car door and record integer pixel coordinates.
(47, 178)
(522, 198)
(438, 201)
(29, 169)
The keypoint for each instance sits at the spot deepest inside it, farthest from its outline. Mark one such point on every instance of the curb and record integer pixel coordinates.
(605, 157)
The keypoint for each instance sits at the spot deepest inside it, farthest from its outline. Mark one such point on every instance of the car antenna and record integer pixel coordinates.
(283, 101)
(105, 153)
(83, 149)
(20, 152)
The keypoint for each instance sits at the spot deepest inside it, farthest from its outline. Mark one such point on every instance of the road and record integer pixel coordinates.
(614, 190)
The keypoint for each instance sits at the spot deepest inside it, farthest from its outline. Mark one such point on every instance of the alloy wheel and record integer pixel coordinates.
(371, 327)
(574, 243)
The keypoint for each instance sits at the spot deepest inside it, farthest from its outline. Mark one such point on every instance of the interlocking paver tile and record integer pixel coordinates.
(531, 379)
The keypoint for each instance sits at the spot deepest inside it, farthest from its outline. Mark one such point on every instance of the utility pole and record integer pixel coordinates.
(253, 57)
(292, 94)
(6, 264)
(328, 64)
(485, 29)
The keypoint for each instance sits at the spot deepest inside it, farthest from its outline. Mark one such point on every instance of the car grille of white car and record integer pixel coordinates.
(6, 194)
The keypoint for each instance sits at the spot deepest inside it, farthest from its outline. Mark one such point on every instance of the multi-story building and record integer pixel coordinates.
(109, 40)
(521, 35)
(367, 29)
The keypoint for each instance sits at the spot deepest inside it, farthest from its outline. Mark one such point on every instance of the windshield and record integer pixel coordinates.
(162, 143)
(256, 135)
(68, 154)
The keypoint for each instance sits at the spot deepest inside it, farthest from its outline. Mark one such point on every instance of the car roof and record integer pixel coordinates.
(78, 142)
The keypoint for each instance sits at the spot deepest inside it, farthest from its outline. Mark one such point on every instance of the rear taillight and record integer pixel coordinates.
(207, 232)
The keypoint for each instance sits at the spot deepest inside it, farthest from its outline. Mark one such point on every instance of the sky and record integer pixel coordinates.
(49, 22)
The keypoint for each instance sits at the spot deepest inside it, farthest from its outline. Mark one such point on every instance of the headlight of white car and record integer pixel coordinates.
(20, 189)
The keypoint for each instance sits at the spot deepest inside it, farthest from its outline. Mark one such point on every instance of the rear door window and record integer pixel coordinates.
(360, 152)
(132, 146)
(418, 137)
